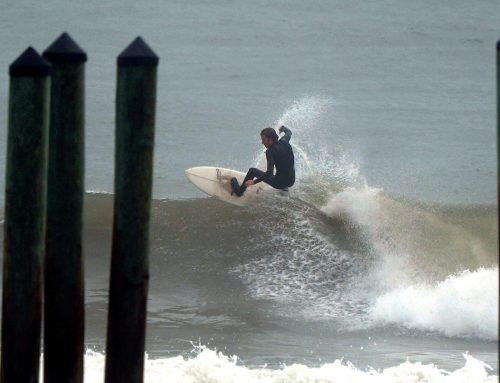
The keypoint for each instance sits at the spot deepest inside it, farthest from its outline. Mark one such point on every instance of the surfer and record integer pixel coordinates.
(279, 154)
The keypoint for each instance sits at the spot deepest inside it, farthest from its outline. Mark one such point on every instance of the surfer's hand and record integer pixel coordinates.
(281, 128)
(249, 183)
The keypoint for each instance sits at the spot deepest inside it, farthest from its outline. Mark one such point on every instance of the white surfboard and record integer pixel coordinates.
(217, 182)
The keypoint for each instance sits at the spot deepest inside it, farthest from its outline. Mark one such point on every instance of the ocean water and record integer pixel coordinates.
(381, 266)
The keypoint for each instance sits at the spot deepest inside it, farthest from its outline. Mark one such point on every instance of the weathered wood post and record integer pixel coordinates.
(135, 118)
(64, 302)
(24, 217)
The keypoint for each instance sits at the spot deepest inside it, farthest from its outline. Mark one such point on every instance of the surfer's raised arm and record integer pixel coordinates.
(288, 133)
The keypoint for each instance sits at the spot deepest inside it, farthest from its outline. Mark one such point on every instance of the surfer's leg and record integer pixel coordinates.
(275, 183)
(251, 174)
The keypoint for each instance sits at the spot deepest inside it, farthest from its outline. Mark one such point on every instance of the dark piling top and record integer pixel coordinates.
(138, 53)
(29, 64)
(64, 49)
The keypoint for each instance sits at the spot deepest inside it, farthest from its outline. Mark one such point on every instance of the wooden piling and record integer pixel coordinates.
(64, 293)
(498, 127)
(135, 118)
(24, 217)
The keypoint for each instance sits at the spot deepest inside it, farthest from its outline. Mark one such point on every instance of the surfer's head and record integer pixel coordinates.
(268, 137)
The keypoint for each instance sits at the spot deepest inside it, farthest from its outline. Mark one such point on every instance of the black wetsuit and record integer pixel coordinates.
(279, 155)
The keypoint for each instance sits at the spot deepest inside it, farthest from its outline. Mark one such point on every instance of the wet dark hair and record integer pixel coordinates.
(271, 133)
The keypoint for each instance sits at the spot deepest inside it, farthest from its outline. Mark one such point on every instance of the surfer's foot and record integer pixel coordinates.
(236, 187)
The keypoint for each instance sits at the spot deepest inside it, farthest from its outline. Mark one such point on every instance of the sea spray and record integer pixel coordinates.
(413, 243)
(303, 114)
(363, 210)
(320, 169)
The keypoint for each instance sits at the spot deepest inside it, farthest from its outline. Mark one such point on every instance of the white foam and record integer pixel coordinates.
(464, 305)
(98, 191)
(211, 366)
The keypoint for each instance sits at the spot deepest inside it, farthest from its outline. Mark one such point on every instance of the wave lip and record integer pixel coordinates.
(463, 305)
